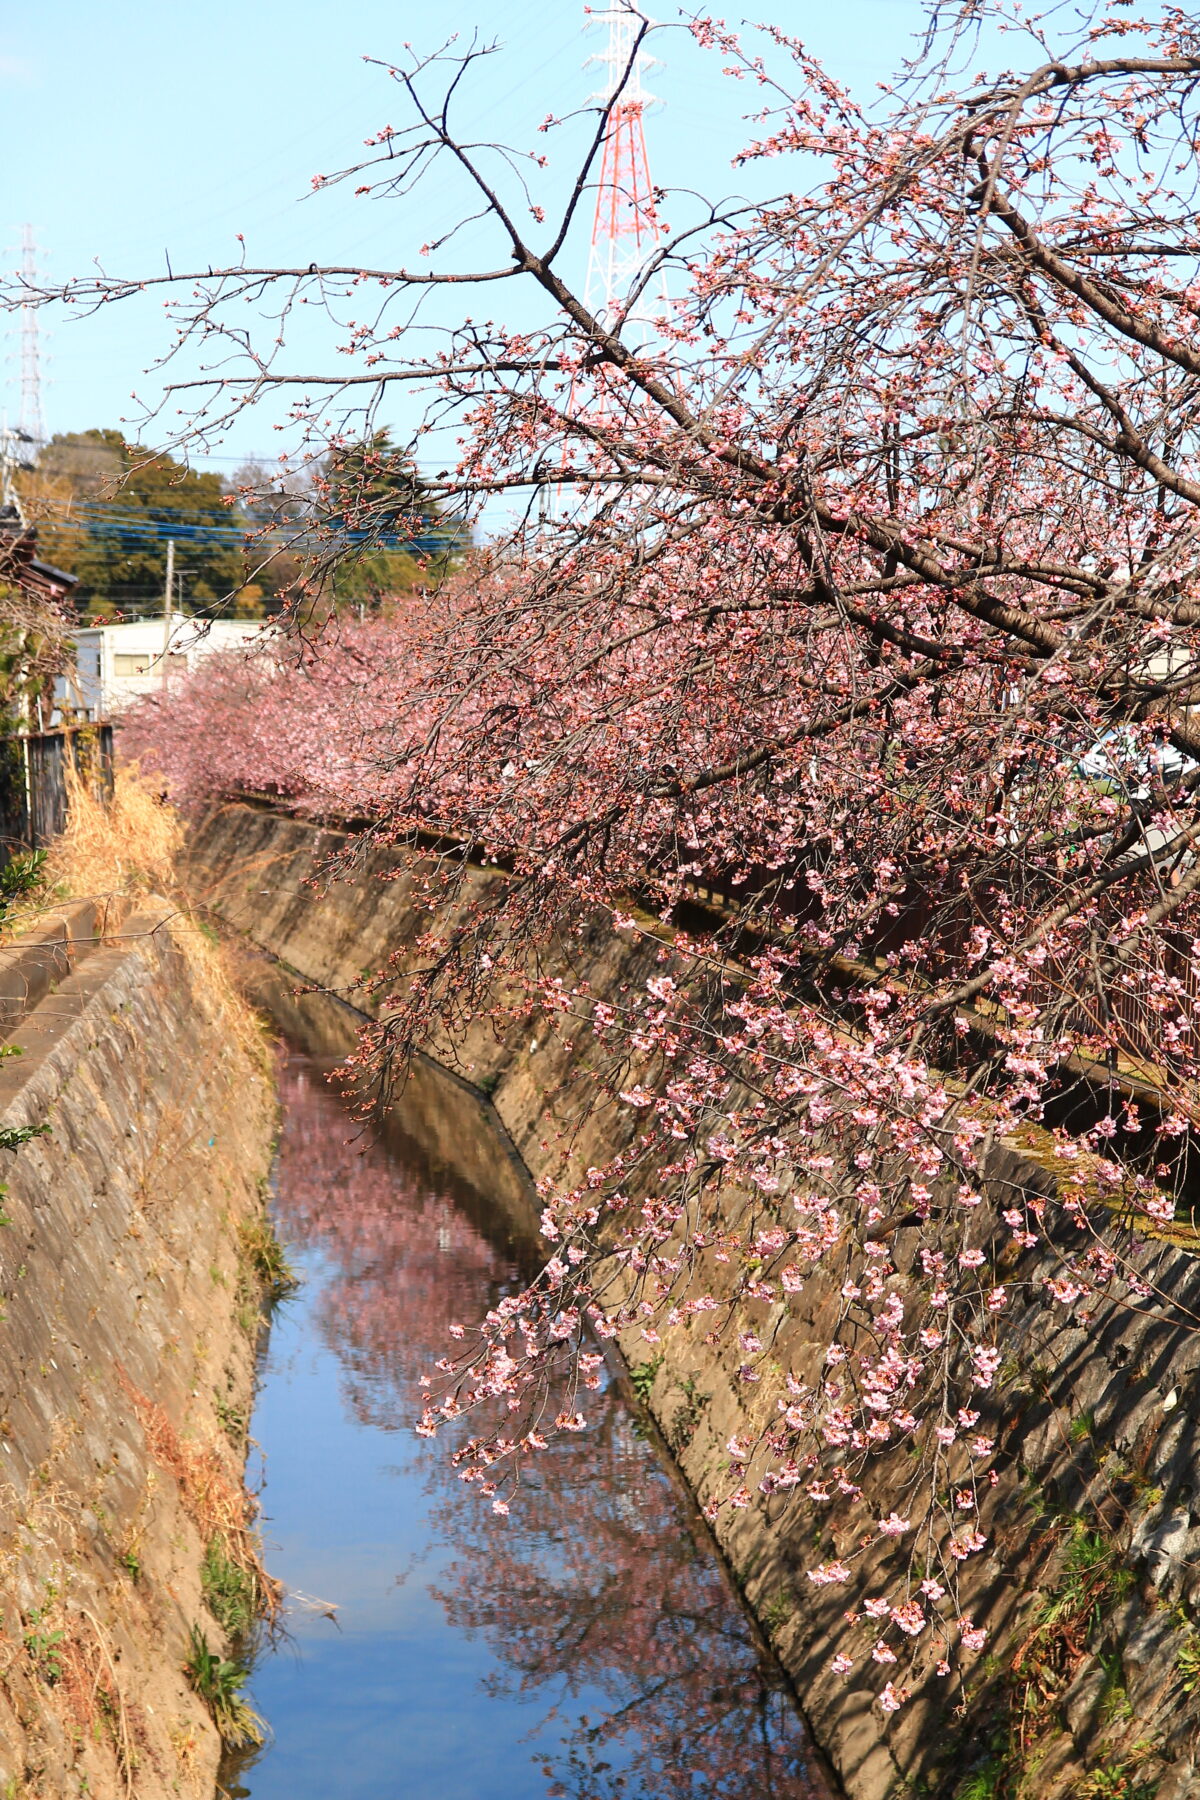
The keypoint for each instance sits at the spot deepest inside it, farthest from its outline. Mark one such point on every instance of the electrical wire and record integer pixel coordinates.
(158, 529)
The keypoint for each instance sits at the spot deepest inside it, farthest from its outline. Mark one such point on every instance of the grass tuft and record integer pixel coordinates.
(230, 1589)
(219, 1683)
(266, 1259)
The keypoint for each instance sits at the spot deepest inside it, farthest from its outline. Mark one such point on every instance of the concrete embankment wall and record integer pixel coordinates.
(1092, 1577)
(127, 1327)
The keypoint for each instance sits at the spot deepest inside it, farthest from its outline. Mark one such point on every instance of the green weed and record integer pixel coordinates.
(688, 1414)
(44, 1653)
(1187, 1663)
(20, 875)
(230, 1591)
(641, 1377)
(13, 1136)
(233, 1418)
(981, 1784)
(1121, 1781)
(1092, 1575)
(219, 1683)
(776, 1614)
(1115, 1706)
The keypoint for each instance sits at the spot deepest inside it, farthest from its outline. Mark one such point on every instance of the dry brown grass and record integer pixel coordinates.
(127, 849)
(60, 1660)
(92, 1693)
(127, 846)
(186, 1745)
(215, 1501)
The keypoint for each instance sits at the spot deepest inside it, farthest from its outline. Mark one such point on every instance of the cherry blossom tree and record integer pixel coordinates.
(859, 604)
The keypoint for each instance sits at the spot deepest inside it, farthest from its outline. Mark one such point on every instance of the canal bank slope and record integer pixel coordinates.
(128, 1316)
(1092, 1577)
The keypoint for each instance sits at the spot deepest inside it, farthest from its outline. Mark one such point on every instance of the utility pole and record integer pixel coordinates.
(168, 603)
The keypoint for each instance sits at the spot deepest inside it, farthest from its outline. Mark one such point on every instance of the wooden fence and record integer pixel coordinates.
(34, 791)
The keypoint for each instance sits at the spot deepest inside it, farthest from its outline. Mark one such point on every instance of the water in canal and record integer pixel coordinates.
(588, 1647)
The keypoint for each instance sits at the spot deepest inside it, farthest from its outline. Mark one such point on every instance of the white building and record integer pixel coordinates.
(114, 664)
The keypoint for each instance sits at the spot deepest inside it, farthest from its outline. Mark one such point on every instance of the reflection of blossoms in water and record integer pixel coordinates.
(406, 1262)
(599, 1581)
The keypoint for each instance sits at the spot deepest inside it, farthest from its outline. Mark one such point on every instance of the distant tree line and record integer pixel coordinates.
(356, 526)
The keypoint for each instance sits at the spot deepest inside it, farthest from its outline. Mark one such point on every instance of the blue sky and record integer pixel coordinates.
(136, 130)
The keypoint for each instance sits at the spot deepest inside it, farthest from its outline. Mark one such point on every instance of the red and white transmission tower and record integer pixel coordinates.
(625, 228)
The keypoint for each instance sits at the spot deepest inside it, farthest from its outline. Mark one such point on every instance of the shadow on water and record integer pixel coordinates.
(587, 1647)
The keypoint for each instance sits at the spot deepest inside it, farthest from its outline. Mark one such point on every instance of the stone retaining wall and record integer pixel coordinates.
(1092, 1577)
(127, 1329)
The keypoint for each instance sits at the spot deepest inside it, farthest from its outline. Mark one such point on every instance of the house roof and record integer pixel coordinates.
(18, 561)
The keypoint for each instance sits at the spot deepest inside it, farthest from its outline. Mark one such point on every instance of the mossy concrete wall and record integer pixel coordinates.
(127, 1328)
(1089, 1587)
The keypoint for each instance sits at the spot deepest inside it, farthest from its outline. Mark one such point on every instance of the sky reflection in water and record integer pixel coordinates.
(586, 1647)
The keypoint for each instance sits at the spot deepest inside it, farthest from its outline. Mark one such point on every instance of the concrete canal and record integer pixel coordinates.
(588, 1646)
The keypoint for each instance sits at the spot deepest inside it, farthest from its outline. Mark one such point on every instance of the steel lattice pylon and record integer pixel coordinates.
(625, 226)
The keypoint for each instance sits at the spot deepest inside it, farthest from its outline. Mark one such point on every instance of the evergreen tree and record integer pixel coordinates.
(106, 510)
(400, 537)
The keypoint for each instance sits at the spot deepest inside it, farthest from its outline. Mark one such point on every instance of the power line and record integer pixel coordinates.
(109, 521)
(155, 533)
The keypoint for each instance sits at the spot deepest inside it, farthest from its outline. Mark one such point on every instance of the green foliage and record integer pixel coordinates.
(12, 1137)
(233, 1418)
(776, 1614)
(42, 1648)
(110, 507)
(1092, 1577)
(21, 875)
(230, 1591)
(131, 1562)
(1121, 1781)
(688, 1413)
(983, 1783)
(1115, 1706)
(12, 763)
(1187, 1663)
(219, 1683)
(642, 1376)
(401, 538)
